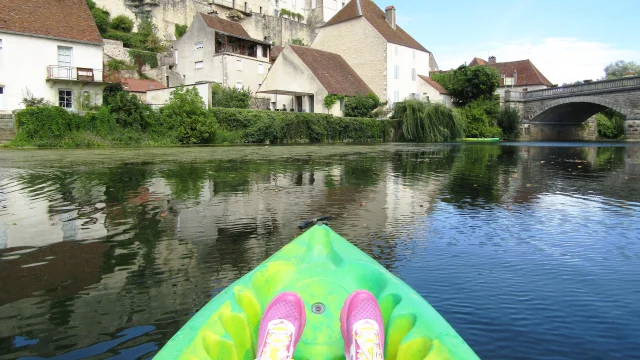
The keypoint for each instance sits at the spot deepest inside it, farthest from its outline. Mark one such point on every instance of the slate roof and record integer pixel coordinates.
(225, 26)
(141, 85)
(61, 19)
(434, 84)
(527, 73)
(376, 17)
(333, 72)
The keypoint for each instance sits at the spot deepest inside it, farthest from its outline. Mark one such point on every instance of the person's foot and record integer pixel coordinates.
(281, 327)
(362, 327)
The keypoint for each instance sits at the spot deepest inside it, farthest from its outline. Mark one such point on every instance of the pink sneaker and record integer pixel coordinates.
(362, 327)
(281, 327)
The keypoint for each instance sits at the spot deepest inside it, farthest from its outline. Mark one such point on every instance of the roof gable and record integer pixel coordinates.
(376, 17)
(61, 19)
(434, 84)
(141, 85)
(477, 61)
(527, 73)
(333, 72)
(225, 26)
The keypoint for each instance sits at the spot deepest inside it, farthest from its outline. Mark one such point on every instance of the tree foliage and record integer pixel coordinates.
(469, 83)
(617, 69)
(101, 17)
(130, 112)
(610, 124)
(180, 30)
(186, 114)
(481, 117)
(361, 105)
(509, 122)
(426, 122)
(230, 97)
(122, 23)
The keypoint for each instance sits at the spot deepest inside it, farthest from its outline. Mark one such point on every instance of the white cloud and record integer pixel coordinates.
(559, 59)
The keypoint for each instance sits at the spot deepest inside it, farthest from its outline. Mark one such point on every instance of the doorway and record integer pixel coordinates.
(310, 100)
(299, 104)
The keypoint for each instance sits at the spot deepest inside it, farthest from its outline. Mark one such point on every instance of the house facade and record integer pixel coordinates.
(430, 90)
(386, 57)
(221, 51)
(302, 77)
(48, 52)
(518, 76)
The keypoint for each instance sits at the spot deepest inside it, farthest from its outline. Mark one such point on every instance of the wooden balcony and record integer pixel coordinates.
(79, 74)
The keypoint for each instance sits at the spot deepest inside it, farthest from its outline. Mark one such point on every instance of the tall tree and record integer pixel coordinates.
(617, 69)
(469, 83)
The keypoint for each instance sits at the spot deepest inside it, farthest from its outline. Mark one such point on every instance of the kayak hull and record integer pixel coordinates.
(323, 268)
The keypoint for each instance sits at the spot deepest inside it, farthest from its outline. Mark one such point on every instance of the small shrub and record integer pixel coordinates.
(360, 105)
(46, 124)
(509, 122)
(142, 58)
(131, 41)
(180, 30)
(122, 23)
(230, 97)
(610, 124)
(101, 18)
(130, 112)
(297, 41)
(187, 115)
(29, 100)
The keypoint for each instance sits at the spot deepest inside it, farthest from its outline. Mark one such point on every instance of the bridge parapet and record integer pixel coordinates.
(596, 86)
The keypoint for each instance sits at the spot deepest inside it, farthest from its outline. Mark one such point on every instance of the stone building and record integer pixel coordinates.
(385, 56)
(276, 20)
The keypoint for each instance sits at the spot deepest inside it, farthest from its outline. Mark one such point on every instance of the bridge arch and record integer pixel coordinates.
(575, 109)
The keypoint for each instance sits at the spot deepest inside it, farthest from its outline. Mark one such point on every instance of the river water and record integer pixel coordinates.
(530, 251)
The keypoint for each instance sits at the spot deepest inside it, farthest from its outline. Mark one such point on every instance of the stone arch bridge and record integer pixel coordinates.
(567, 113)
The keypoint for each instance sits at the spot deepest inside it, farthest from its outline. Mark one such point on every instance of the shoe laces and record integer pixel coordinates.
(278, 341)
(367, 335)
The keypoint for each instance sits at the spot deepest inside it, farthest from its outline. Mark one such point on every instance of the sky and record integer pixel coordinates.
(567, 40)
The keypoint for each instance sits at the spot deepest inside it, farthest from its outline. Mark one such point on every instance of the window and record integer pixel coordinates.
(396, 72)
(260, 68)
(293, 3)
(396, 96)
(0, 51)
(175, 53)
(199, 45)
(259, 50)
(65, 98)
(508, 81)
(414, 55)
(342, 105)
(260, 10)
(199, 64)
(313, 4)
(397, 50)
(413, 74)
(239, 65)
(239, 84)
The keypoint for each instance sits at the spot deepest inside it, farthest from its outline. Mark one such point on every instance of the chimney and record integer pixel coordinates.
(390, 15)
(492, 59)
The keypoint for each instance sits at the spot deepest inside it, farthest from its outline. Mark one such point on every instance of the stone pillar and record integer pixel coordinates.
(632, 129)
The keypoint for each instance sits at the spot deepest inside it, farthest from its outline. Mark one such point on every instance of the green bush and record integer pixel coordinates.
(610, 124)
(186, 114)
(509, 122)
(426, 122)
(142, 58)
(276, 127)
(101, 18)
(469, 83)
(122, 23)
(110, 92)
(480, 116)
(360, 105)
(131, 41)
(46, 123)
(230, 97)
(180, 30)
(130, 112)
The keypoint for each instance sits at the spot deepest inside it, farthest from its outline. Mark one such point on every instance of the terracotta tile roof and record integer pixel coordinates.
(225, 26)
(62, 19)
(434, 84)
(141, 85)
(376, 17)
(527, 73)
(275, 52)
(333, 72)
(477, 61)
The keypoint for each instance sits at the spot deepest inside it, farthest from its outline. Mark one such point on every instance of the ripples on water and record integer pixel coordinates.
(530, 252)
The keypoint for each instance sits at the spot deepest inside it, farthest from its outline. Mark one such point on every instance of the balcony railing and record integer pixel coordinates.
(56, 72)
(580, 88)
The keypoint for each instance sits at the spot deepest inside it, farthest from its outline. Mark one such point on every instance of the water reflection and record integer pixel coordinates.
(112, 259)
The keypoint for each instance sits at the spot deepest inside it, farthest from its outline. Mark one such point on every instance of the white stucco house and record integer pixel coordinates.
(385, 56)
(221, 51)
(302, 77)
(52, 50)
(430, 90)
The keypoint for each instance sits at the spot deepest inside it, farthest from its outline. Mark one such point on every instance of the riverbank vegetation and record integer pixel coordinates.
(610, 124)
(124, 120)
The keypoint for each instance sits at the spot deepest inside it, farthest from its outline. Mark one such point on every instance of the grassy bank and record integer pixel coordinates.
(126, 121)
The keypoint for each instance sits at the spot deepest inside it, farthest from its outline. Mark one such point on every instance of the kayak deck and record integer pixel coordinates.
(323, 268)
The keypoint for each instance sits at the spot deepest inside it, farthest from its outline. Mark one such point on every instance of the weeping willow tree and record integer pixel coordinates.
(426, 122)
